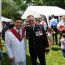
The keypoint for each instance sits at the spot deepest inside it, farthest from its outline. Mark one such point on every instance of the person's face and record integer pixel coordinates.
(18, 24)
(63, 18)
(3, 24)
(30, 20)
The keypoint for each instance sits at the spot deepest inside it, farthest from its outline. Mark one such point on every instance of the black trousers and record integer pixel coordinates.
(34, 54)
(55, 35)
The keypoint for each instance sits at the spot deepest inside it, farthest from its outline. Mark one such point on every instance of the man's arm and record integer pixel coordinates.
(45, 40)
(8, 45)
(45, 37)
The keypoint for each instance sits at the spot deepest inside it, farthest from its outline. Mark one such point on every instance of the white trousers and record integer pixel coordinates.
(19, 63)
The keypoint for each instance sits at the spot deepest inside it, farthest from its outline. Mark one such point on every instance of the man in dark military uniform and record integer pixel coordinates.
(38, 42)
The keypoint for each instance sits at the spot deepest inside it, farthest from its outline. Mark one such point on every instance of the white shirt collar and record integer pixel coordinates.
(17, 30)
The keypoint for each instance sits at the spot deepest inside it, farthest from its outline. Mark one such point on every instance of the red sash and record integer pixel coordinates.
(17, 35)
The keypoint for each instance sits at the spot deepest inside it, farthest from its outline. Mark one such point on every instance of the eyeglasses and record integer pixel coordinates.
(30, 20)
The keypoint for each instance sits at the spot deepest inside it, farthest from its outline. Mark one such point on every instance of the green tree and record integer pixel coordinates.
(9, 9)
(22, 5)
(60, 3)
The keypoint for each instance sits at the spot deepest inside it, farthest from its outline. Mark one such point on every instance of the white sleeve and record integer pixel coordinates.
(8, 45)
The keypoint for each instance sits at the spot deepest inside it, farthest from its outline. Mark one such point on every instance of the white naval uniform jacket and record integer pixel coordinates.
(14, 47)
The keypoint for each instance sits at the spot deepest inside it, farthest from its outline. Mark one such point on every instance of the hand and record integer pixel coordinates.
(12, 59)
(47, 50)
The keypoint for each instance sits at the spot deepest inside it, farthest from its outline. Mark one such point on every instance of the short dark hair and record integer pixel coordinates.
(63, 35)
(18, 18)
(63, 31)
(4, 22)
(52, 16)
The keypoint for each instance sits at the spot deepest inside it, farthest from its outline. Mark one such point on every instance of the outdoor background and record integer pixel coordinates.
(54, 57)
(14, 8)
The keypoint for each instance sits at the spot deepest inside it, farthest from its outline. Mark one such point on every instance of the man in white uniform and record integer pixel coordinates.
(15, 43)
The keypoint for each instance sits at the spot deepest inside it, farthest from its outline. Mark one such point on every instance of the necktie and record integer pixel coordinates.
(19, 33)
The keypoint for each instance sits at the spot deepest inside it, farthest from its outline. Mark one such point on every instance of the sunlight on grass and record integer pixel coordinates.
(54, 57)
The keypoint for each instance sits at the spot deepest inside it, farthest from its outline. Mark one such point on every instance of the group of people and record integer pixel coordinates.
(59, 27)
(15, 42)
(38, 37)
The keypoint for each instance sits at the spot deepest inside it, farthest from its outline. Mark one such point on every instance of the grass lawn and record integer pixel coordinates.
(54, 57)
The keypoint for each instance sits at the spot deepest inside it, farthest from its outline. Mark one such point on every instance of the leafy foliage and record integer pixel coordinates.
(60, 3)
(9, 8)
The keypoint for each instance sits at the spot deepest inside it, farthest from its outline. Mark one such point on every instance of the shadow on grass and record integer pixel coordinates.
(6, 60)
(56, 49)
(28, 60)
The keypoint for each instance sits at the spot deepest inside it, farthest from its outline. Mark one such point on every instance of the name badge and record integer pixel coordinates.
(38, 33)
